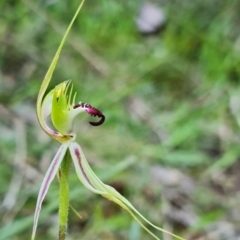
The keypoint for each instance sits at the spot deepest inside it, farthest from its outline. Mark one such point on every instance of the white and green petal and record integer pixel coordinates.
(93, 183)
(48, 178)
(46, 109)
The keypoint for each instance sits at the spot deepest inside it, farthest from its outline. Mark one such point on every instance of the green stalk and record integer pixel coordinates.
(64, 195)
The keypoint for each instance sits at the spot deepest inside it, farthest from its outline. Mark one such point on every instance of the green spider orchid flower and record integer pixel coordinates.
(59, 104)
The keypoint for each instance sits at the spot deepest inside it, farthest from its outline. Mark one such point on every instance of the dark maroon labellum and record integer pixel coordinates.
(93, 112)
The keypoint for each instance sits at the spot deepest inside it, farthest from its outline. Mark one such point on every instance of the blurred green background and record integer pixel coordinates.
(170, 142)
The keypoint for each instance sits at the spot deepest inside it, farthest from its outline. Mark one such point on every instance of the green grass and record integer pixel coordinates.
(170, 100)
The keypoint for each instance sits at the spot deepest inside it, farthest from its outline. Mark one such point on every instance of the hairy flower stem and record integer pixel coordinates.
(64, 195)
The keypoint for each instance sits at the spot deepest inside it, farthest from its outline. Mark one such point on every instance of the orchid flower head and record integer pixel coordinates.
(60, 104)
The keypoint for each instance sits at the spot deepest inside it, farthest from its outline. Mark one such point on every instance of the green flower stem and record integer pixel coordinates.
(64, 195)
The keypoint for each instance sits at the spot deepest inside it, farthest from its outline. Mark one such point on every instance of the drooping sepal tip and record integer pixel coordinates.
(93, 183)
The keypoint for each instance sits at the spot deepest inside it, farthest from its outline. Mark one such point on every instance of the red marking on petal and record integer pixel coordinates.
(100, 122)
(93, 112)
(77, 153)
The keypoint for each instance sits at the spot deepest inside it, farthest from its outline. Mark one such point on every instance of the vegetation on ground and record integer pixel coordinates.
(170, 142)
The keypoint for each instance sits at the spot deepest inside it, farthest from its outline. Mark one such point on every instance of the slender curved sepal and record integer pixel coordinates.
(48, 77)
(93, 183)
(81, 167)
(51, 173)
